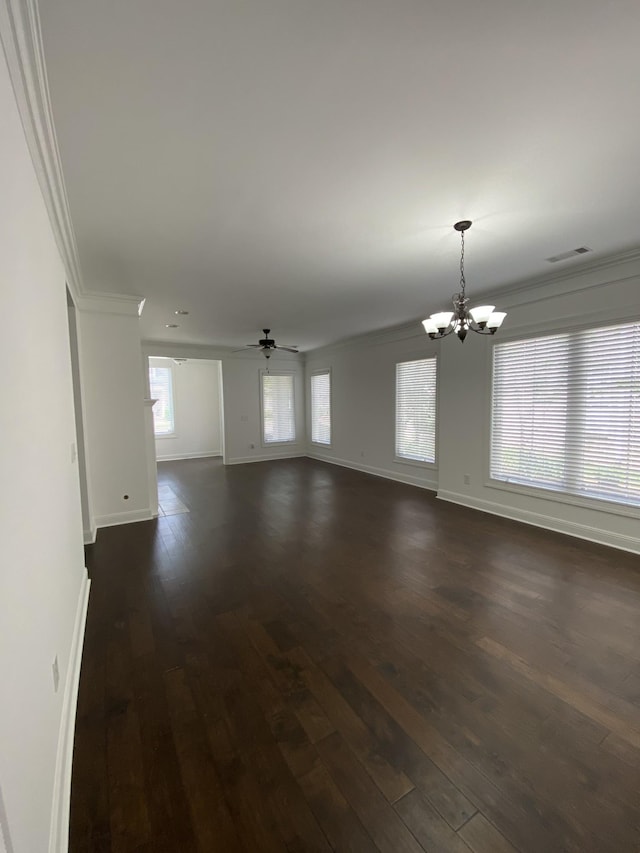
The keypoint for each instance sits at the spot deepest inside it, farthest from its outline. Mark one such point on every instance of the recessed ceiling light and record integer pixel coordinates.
(171, 326)
(181, 313)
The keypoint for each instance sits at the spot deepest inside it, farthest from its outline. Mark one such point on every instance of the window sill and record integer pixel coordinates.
(415, 463)
(594, 504)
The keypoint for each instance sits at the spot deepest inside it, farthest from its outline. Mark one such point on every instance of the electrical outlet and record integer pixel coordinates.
(362, 453)
(56, 674)
(244, 418)
(252, 446)
(467, 480)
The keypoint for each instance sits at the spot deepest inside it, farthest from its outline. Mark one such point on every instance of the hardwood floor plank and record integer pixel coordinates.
(481, 837)
(612, 713)
(129, 816)
(393, 783)
(435, 835)
(343, 829)
(400, 749)
(383, 824)
(214, 829)
(167, 801)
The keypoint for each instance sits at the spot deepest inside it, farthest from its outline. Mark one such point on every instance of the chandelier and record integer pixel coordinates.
(484, 319)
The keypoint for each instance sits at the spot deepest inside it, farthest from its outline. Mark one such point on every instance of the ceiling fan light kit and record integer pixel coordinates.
(266, 345)
(484, 319)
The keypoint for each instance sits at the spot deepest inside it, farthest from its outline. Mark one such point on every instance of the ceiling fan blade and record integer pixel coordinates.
(287, 349)
(253, 346)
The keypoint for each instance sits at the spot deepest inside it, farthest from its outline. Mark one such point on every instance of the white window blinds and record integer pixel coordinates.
(161, 388)
(416, 410)
(566, 413)
(321, 408)
(278, 411)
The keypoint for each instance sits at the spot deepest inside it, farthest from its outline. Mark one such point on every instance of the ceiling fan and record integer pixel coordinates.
(266, 345)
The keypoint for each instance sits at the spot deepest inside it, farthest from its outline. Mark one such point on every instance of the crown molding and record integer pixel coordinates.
(22, 41)
(109, 303)
(176, 349)
(592, 273)
(21, 38)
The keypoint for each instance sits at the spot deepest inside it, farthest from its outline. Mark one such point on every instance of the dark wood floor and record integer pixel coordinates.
(313, 659)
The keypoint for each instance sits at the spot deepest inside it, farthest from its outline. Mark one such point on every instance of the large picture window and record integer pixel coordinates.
(566, 413)
(161, 388)
(278, 408)
(416, 410)
(321, 407)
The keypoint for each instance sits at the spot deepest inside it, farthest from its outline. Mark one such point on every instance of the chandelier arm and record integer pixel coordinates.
(435, 336)
(484, 331)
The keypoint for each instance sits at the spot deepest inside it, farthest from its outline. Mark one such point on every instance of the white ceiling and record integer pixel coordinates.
(298, 164)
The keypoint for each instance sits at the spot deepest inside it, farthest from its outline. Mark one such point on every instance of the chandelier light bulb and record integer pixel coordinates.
(495, 320)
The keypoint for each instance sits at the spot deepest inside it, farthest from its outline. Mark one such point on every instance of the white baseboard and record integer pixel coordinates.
(172, 457)
(124, 517)
(89, 536)
(397, 476)
(59, 831)
(241, 460)
(548, 522)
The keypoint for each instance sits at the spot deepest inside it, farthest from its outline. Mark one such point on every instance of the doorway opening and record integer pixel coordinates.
(187, 417)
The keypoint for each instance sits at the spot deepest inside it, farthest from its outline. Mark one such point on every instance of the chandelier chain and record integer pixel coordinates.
(462, 281)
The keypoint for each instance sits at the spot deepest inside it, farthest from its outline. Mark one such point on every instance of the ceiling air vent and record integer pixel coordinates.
(581, 250)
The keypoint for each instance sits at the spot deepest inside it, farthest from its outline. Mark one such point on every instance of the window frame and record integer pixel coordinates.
(403, 460)
(527, 333)
(321, 372)
(172, 391)
(287, 442)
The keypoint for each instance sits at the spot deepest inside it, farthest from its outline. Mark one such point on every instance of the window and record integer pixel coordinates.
(566, 413)
(278, 410)
(416, 410)
(321, 407)
(161, 388)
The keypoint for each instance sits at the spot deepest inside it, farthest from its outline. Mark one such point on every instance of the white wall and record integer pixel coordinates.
(363, 400)
(113, 388)
(43, 578)
(363, 403)
(197, 410)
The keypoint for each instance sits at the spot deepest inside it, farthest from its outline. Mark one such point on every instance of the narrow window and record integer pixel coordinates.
(278, 409)
(416, 410)
(321, 407)
(161, 387)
